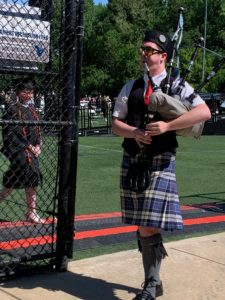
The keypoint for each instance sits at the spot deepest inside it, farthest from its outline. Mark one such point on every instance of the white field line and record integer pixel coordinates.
(103, 149)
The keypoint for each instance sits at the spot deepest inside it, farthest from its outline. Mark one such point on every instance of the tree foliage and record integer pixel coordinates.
(113, 34)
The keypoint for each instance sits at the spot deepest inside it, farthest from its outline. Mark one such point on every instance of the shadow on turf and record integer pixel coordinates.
(215, 206)
(208, 196)
(77, 285)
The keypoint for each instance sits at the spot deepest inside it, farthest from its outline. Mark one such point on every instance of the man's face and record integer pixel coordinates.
(26, 95)
(153, 55)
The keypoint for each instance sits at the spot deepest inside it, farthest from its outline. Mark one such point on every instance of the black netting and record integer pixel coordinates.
(40, 49)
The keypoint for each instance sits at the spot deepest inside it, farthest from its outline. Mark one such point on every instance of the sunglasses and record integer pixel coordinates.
(148, 51)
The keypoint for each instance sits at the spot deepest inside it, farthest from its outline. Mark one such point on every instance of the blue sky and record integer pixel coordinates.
(100, 1)
(95, 1)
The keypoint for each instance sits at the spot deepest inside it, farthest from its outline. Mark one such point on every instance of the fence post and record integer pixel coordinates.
(69, 137)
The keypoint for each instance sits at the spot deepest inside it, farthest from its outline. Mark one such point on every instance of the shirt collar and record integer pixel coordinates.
(27, 104)
(157, 79)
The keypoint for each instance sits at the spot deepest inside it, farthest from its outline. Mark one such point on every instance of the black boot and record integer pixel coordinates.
(148, 292)
(158, 291)
(153, 252)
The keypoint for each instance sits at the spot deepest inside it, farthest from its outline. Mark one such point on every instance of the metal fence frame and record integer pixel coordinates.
(65, 127)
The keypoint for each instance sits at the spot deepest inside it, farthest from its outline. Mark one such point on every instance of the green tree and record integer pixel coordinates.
(113, 35)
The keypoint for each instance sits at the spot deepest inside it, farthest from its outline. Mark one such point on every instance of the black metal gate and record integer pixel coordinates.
(40, 63)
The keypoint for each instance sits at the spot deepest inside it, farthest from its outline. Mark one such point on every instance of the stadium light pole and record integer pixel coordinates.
(205, 34)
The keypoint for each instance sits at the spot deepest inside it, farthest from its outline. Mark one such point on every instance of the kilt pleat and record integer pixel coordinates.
(158, 205)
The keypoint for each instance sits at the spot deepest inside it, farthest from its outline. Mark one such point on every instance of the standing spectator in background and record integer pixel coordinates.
(98, 104)
(2, 97)
(22, 146)
(10, 98)
(2, 100)
(104, 107)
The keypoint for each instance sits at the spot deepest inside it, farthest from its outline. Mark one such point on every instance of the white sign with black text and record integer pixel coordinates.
(24, 39)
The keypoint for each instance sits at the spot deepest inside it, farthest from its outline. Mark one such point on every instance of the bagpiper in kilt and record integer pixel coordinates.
(148, 188)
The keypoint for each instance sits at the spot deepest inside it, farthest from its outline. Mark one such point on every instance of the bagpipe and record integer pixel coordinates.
(138, 177)
(209, 76)
(176, 40)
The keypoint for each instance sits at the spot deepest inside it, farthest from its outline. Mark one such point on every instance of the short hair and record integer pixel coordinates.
(25, 86)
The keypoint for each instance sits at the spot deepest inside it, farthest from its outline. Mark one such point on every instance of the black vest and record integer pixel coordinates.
(136, 117)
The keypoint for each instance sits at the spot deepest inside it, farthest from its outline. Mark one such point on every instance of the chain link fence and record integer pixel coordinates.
(40, 50)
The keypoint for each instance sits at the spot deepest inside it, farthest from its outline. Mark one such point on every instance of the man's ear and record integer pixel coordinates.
(164, 56)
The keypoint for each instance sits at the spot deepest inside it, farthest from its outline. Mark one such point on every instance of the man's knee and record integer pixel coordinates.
(148, 231)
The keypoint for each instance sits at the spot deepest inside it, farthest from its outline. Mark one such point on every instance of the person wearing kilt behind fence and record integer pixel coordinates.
(148, 189)
(22, 146)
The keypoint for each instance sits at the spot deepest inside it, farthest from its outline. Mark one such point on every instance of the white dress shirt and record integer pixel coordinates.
(120, 109)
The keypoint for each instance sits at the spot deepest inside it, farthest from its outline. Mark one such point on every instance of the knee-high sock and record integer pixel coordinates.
(153, 252)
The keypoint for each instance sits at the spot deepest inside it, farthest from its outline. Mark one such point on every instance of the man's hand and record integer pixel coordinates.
(142, 136)
(156, 128)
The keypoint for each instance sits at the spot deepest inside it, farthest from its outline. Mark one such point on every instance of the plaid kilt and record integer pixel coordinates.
(158, 205)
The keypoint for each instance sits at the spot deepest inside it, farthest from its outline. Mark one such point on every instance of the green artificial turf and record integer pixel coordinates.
(200, 170)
